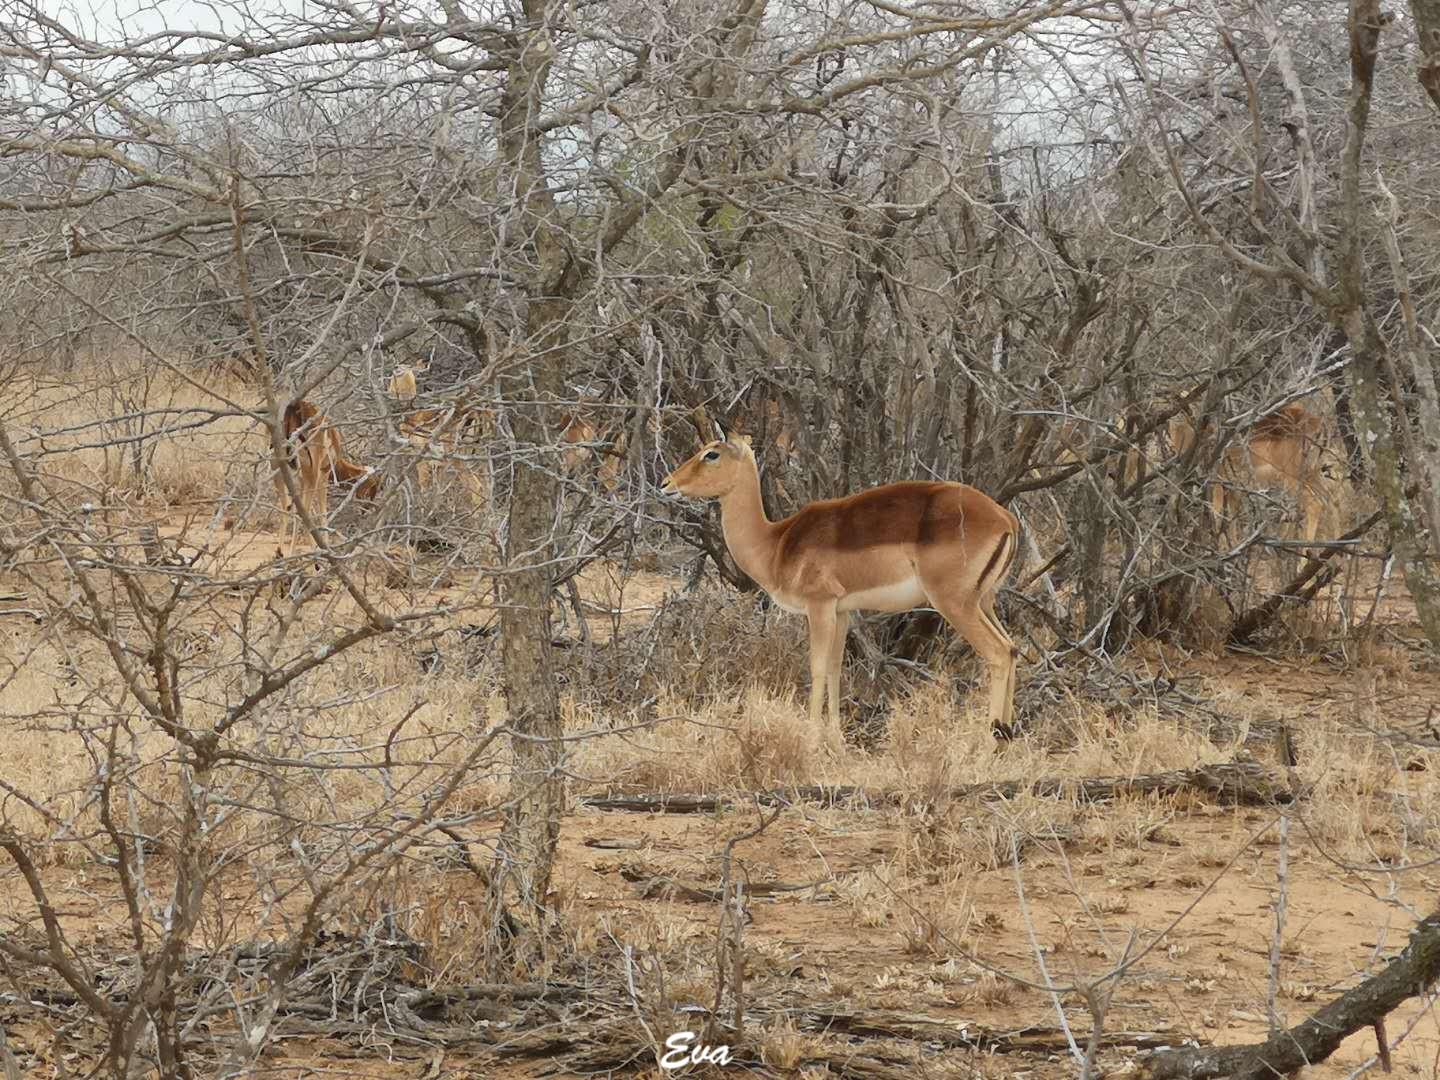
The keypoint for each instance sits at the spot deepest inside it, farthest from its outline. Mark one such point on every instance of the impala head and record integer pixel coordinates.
(402, 384)
(713, 471)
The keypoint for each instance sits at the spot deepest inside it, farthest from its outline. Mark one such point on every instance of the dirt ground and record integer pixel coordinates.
(926, 910)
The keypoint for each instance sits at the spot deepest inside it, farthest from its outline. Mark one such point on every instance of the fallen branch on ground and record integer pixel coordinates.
(1318, 1036)
(1233, 783)
(946, 1032)
(892, 1038)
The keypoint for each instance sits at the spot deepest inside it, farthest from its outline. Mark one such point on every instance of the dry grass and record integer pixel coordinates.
(75, 426)
(59, 696)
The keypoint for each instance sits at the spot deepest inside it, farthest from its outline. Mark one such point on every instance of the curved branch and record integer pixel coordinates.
(1317, 1037)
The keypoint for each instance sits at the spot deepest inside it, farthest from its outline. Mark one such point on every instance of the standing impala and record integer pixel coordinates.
(1283, 449)
(890, 548)
(317, 457)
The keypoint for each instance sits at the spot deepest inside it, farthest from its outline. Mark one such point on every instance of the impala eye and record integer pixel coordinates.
(711, 455)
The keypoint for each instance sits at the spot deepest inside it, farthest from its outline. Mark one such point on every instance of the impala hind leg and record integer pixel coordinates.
(317, 498)
(987, 638)
(967, 602)
(1315, 503)
(282, 502)
(1002, 697)
(1219, 504)
(311, 487)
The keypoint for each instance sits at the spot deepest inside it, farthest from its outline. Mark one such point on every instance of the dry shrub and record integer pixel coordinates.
(962, 836)
(1125, 827)
(1304, 631)
(1206, 620)
(1362, 804)
(1134, 742)
(57, 711)
(448, 917)
(50, 720)
(442, 508)
(1372, 647)
(785, 1048)
(713, 643)
(754, 738)
(871, 895)
(652, 650)
(757, 741)
(930, 748)
(940, 927)
(659, 932)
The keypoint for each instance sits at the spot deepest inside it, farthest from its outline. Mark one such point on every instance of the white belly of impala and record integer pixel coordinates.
(898, 596)
(789, 603)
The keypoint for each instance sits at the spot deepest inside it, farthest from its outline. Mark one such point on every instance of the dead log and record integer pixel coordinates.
(436, 1003)
(664, 887)
(1233, 783)
(692, 803)
(896, 1038)
(1317, 1037)
(861, 1066)
(945, 1032)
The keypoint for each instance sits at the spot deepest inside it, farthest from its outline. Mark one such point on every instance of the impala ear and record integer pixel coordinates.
(720, 430)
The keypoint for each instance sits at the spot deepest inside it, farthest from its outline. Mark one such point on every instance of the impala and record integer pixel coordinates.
(1071, 438)
(581, 437)
(402, 384)
(891, 548)
(436, 435)
(448, 424)
(317, 458)
(1181, 431)
(1280, 450)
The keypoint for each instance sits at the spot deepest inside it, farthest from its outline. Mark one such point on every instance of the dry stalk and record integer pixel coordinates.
(1282, 893)
(730, 928)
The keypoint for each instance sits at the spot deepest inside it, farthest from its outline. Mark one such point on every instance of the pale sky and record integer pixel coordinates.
(134, 18)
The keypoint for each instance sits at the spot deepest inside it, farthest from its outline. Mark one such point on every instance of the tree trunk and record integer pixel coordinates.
(1427, 28)
(1369, 369)
(1345, 417)
(526, 852)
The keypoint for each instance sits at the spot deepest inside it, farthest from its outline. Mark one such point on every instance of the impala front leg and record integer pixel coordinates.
(823, 620)
(837, 658)
(1312, 505)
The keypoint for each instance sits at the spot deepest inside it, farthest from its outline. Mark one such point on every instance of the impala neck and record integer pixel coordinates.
(749, 534)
